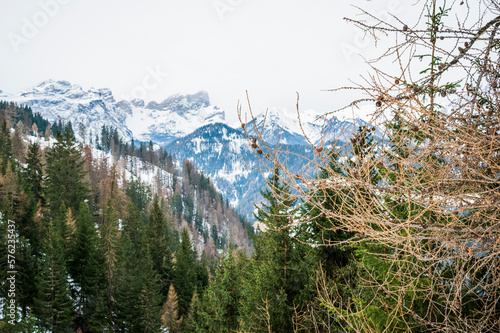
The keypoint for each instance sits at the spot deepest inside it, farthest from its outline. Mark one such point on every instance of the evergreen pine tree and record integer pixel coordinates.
(184, 274)
(220, 305)
(159, 244)
(53, 304)
(65, 174)
(276, 285)
(34, 172)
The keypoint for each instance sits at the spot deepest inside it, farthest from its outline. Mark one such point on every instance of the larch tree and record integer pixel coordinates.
(109, 231)
(170, 312)
(426, 230)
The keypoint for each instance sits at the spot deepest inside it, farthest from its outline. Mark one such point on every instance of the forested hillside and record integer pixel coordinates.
(96, 246)
(392, 227)
(397, 233)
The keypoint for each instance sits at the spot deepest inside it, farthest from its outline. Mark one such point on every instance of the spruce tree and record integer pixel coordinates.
(53, 304)
(337, 263)
(150, 297)
(202, 273)
(219, 310)
(136, 293)
(127, 289)
(139, 194)
(34, 172)
(276, 285)
(193, 322)
(5, 146)
(87, 268)
(158, 239)
(323, 230)
(185, 274)
(327, 231)
(27, 263)
(65, 174)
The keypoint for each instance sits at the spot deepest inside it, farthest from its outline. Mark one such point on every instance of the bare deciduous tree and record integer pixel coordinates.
(428, 192)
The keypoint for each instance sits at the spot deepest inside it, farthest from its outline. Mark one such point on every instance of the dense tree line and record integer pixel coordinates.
(393, 236)
(274, 290)
(399, 235)
(95, 252)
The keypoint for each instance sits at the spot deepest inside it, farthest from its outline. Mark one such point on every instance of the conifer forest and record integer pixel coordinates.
(392, 226)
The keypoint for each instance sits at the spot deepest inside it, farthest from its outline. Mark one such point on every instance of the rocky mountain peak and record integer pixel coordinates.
(182, 103)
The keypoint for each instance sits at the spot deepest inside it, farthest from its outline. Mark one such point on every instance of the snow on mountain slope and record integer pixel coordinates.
(224, 154)
(175, 117)
(190, 128)
(162, 122)
(285, 126)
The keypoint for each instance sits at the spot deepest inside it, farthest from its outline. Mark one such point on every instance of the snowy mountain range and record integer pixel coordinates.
(224, 153)
(171, 119)
(162, 122)
(189, 127)
(278, 124)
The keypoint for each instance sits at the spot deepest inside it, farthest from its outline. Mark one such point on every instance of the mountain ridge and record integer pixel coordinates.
(190, 128)
(176, 116)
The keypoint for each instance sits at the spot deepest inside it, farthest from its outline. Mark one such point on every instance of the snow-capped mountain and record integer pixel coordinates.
(190, 128)
(162, 122)
(311, 128)
(174, 118)
(224, 154)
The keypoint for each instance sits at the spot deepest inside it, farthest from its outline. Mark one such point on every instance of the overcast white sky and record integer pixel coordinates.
(272, 48)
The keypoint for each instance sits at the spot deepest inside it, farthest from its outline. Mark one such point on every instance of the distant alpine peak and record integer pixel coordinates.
(52, 87)
(285, 116)
(173, 118)
(65, 90)
(182, 103)
(53, 83)
(176, 116)
(308, 126)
